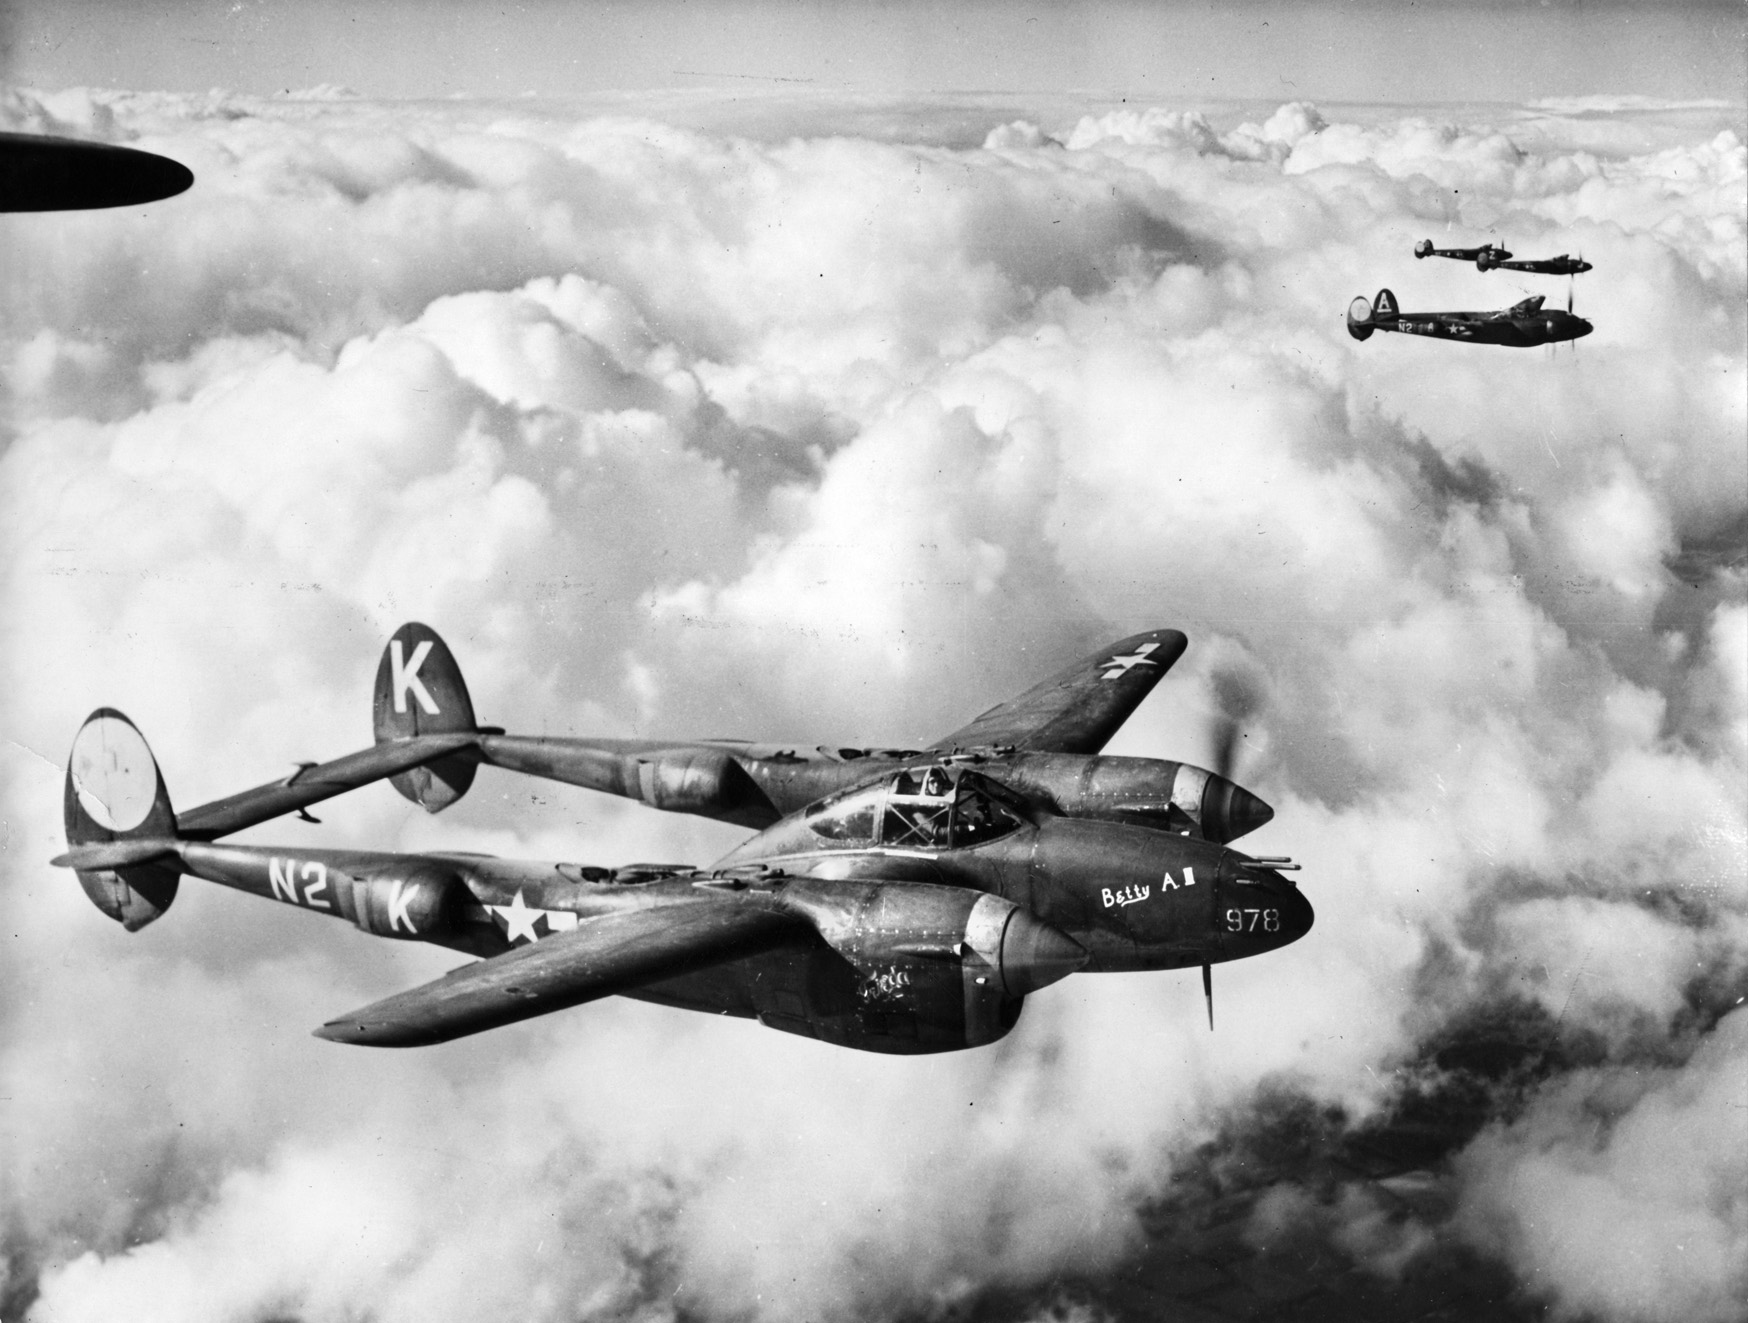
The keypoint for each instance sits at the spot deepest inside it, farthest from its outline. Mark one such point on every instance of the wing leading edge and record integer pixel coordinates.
(603, 956)
(1077, 710)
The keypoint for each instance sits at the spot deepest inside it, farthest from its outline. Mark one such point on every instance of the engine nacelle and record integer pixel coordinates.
(694, 780)
(919, 968)
(1150, 792)
(415, 901)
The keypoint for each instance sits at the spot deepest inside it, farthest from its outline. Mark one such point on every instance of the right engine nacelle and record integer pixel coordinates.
(910, 969)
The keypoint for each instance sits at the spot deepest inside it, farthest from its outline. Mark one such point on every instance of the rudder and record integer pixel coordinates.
(1385, 304)
(1359, 318)
(115, 793)
(419, 691)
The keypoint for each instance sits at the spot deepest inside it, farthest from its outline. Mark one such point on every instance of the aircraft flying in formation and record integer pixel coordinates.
(40, 173)
(1489, 258)
(892, 900)
(1522, 325)
(1563, 265)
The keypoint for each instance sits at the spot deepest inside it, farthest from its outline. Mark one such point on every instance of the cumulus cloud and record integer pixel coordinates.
(825, 437)
(1620, 1192)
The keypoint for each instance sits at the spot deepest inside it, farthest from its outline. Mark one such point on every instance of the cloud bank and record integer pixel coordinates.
(838, 437)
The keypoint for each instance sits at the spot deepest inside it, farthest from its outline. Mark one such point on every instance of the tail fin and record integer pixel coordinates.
(1359, 319)
(119, 821)
(1385, 304)
(1423, 248)
(419, 691)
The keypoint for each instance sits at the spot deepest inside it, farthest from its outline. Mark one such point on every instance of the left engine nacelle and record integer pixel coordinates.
(918, 968)
(415, 902)
(704, 781)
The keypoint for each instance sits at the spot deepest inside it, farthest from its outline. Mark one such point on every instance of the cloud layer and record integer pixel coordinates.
(840, 438)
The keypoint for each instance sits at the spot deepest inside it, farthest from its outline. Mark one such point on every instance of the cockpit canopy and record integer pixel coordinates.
(919, 808)
(1529, 307)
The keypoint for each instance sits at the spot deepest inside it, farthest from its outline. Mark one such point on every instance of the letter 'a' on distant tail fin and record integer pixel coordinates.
(1359, 319)
(1423, 248)
(419, 691)
(1384, 306)
(119, 822)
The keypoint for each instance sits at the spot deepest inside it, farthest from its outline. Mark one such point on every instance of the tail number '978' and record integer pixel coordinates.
(1248, 921)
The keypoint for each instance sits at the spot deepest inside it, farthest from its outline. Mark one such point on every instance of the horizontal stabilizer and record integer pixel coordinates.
(116, 854)
(603, 956)
(311, 785)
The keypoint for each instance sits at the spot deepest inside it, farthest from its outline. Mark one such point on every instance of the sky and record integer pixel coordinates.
(837, 413)
(1360, 50)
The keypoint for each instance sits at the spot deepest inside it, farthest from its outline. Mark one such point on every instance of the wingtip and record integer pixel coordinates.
(1172, 643)
(374, 1033)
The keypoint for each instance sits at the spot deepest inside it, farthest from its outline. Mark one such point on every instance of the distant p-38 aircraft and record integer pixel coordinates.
(1522, 325)
(1489, 258)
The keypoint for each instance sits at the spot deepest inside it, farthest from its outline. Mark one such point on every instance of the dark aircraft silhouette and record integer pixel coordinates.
(1563, 265)
(912, 910)
(1486, 257)
(1042, 745)
(1521, 325)
(39, 173)
(1489, 258)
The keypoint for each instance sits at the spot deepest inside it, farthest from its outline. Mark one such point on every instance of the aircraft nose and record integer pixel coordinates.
(1229, 811)
(1297, 916)
(1584, 329)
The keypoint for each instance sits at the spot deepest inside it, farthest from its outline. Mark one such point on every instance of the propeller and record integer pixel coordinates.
(1240, 697)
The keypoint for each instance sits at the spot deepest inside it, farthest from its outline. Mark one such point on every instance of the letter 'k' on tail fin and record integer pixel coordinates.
(419, 691)
(119, 822)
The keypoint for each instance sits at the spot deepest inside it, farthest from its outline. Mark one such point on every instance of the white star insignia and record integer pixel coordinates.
(519, 919)
(1120, 665)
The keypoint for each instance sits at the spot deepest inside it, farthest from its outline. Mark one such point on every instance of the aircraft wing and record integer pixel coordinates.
(315, 782)
(1079, 709)
(602, 956)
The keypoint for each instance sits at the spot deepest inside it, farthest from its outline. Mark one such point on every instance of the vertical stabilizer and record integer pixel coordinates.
(114, 792)
(419, 691)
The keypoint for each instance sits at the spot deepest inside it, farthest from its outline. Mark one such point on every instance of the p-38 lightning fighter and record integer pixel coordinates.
(1485, 258)
(912, 910)
(1563, 265)
(1489, 258)
(1042, 746)
(1522, 325)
